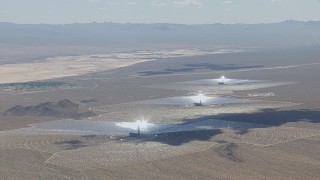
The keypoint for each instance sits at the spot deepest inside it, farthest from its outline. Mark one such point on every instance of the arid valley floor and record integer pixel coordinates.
(269, 130)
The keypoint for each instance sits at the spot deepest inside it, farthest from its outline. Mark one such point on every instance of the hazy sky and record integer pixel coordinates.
(158, 11)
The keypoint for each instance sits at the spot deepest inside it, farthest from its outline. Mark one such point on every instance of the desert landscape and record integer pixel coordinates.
(183, 89)
(239, 126)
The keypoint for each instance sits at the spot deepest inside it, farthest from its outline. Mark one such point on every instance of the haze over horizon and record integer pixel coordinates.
(158, 11)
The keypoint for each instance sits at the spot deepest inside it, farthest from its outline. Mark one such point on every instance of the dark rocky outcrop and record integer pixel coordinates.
(61, 109)
(88, 101)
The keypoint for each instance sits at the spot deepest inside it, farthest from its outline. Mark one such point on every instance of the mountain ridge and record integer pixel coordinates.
(61, 109)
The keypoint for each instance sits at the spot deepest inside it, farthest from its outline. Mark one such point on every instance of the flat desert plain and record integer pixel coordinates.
(271, 132)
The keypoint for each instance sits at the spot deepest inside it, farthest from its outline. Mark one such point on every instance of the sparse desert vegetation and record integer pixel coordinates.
(35, 86)
(97, 89)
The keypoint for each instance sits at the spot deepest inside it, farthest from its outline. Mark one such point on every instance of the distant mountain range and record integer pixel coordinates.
(115, 34)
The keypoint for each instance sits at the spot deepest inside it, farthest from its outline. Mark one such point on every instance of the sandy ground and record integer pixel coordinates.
(226, 161)
(286, 149)
(66, 66)
(28, 157)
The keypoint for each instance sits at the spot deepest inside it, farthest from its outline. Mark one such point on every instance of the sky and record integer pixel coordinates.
(158, 11)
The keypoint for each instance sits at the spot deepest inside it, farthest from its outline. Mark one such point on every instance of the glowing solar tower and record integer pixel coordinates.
(221, 80)
(200, 100)
(137, 125)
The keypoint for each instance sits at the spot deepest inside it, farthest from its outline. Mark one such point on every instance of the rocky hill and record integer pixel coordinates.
(61, 109)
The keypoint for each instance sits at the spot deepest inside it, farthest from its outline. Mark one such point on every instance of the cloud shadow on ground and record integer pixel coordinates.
(194, 67)
(266, 118)
(274, 117)
(71, 144)
(180, 138)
